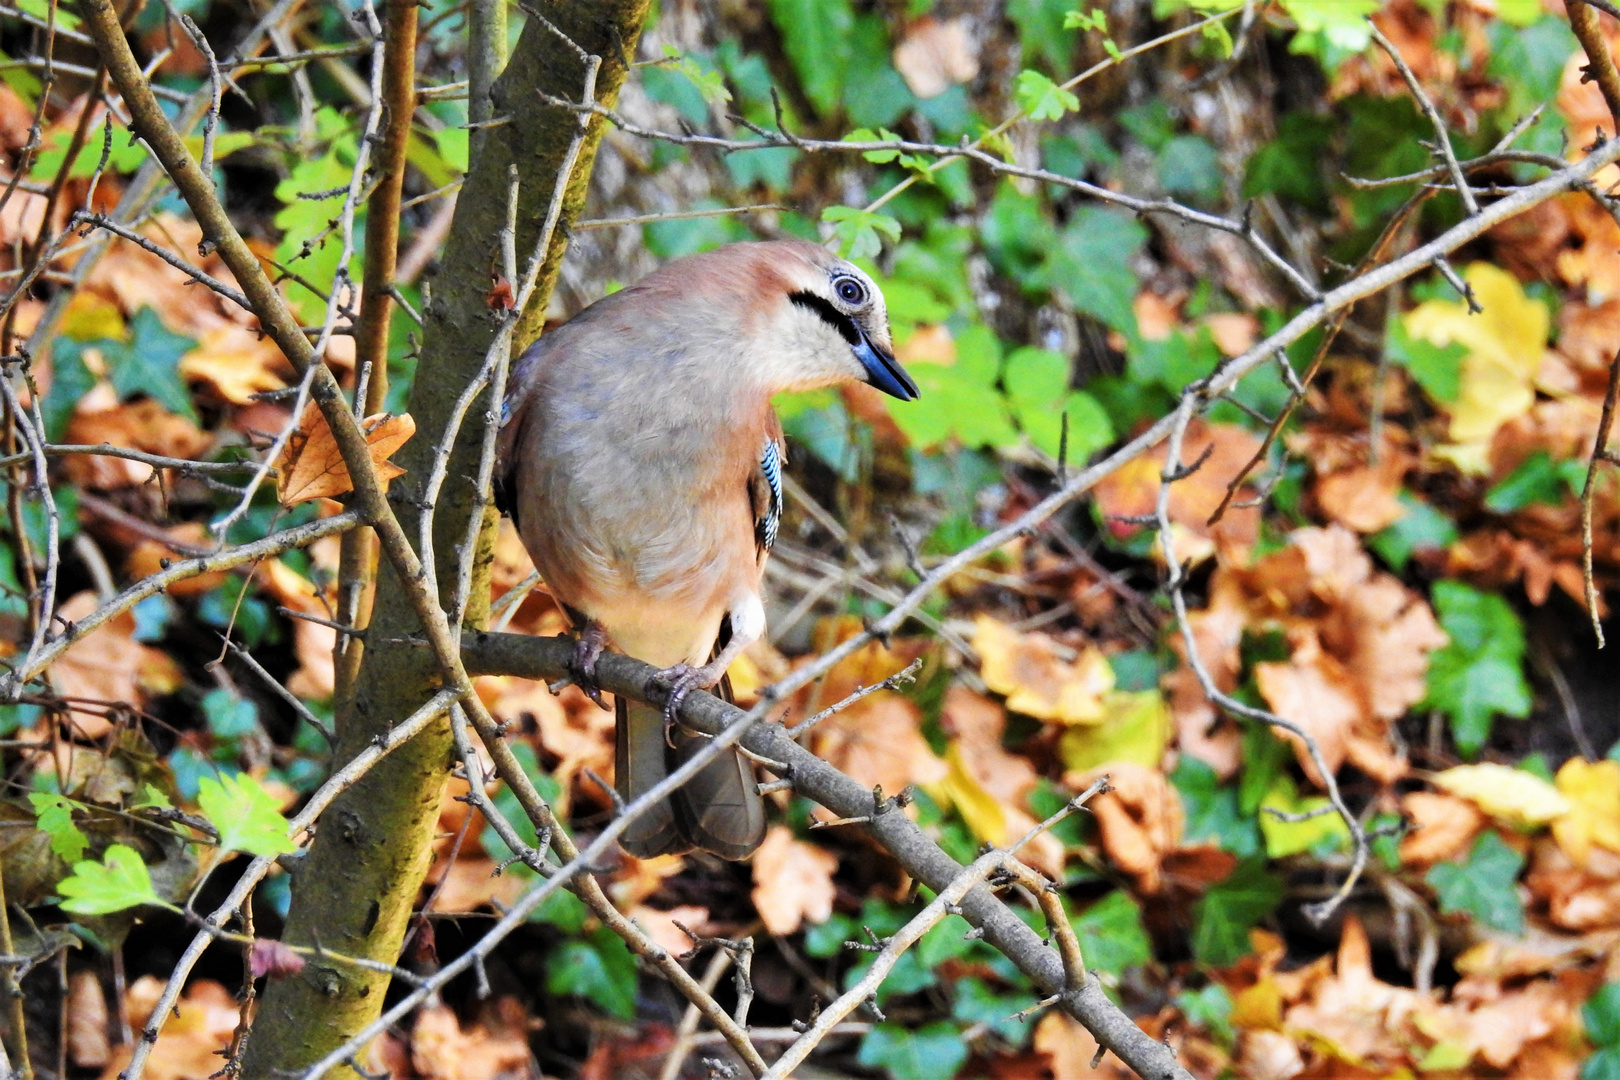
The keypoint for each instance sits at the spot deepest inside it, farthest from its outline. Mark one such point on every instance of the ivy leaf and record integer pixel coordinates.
(1223, 918)
(1342, 22)
(119, 881)
(1484, 886)
(816, 37)
(1436, 368)
(1538, 479)
(1111, 934)
(932, 1052)
(55, 816)
(149, 363)
(1041, 98)
(857, 230)
(599, 969)
(1422, 528)
(1091, 265)
(1602, 1016)
(1480, 672)
(245, 815)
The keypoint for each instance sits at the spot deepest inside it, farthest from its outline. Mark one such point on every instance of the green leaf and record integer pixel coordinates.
(932, 1052)
(1044, 30)
(1190, 165)
(599, 969)
(857, 231)
(1223, 918)
(1484, 887)
(1343, 23)
(119, 881)
(1603, 1065)
(874, 93)
(1538, 479)
(1041, 98)
(1111, 935)
(1091, 265)
(245, 815)
(816, 37)
(70, 380)
(230, 716)
(149, 364)
(1291, 165)
(1529, 61)
(55, 816)
(1601, 1015)
(1212, 811)
(1421, 528)
(826, 939)
(1480, 673)
(1285, 838)
(1211, 1009)
(1436, 368)
(977, 1004)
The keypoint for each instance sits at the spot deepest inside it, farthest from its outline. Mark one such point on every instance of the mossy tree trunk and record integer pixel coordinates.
(354, 892)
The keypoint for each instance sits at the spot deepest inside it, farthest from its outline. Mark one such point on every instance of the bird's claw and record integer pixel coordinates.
(681, 679)
(582, 664)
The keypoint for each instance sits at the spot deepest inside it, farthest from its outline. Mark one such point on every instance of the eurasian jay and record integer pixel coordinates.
(642, 463)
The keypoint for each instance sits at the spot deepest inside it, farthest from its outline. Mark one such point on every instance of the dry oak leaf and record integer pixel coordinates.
(138, 425)
(108, 665)
(441, 1049)
(1582, 899)
(1592, 790)
(1313, 690)
(1133, 490)
(236, 362)
(793, 882)
(1039, 676)
(1443, 827)
(1140, 820)
(1512, 796)
(1217, 633)
(1351, 1014)
(200, 1026)
(877, 742)
(471, 883)
(1071, 1049)
(312, 641)
(312, 468)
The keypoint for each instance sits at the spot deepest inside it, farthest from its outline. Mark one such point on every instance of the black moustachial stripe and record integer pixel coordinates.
(832, 316)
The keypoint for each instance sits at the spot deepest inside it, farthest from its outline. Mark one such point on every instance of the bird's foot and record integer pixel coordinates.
(682, 679)
(582, 664)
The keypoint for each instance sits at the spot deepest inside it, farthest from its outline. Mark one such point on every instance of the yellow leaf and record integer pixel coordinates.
(979, 809)
(1510, 795)
(1505, 344)
(1593, 791)
(1135, 729)
(89, 317)
(1037, 677)
(1285, 838)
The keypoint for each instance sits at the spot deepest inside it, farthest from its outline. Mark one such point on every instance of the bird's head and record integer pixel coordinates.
(825, 323)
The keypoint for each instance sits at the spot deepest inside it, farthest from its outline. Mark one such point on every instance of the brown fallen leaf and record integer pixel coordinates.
(312, 468)
(1443, 827)
(199, 1027)
(935, 55)
(107, 665)
(441, 1049)
(792, 882)
(1140, 820)
(87, 1016)
(1040, 677)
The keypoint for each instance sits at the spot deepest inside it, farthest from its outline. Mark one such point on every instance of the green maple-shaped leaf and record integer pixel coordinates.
(1043, 99)
(55, 816)
(245, 815)
(1485, 886)
(119, 881)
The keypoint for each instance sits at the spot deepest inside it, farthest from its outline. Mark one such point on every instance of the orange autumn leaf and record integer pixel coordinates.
(792, 882)
(108, 665)
(312, 468)
(442, 1049)
(1140, 820)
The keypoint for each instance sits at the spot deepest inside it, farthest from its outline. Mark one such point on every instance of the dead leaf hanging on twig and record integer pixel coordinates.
(313, 468)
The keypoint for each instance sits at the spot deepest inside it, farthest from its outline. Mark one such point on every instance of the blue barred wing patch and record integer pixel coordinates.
(770, 465)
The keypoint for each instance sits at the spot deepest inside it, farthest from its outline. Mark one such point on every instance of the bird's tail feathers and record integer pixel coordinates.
(719, 810)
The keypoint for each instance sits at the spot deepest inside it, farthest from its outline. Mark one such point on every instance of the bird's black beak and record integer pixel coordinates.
(883, 370)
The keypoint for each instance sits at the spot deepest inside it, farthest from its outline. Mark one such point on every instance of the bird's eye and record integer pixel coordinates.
(850, 291)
